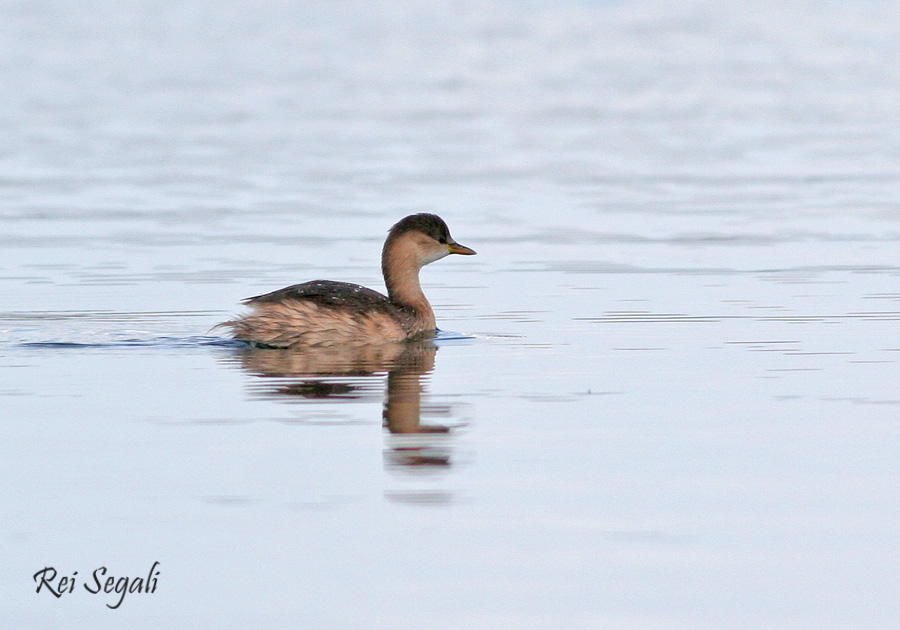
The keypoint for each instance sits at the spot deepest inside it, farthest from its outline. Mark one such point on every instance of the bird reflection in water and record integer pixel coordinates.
(347, 373)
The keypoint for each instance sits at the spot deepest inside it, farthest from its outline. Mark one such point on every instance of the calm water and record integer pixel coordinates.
(670, 394)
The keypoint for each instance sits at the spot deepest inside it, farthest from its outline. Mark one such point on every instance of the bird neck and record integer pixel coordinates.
(400, 266)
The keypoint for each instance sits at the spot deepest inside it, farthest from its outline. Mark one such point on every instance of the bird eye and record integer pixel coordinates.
(442, 240)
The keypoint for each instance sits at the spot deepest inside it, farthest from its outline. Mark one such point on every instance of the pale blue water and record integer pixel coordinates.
(668, 395)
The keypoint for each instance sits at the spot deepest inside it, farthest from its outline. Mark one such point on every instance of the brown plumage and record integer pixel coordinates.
(328, 313)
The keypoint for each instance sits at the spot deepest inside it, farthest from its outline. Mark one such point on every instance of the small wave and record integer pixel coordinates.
(449, 336)
(442, 338)
(155, 342)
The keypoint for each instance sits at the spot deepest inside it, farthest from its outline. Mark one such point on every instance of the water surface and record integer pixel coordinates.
(667, 394)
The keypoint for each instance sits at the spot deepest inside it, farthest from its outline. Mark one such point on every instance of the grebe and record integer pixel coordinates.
(327, 313)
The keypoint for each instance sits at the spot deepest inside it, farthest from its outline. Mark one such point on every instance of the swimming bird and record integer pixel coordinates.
(328, 313)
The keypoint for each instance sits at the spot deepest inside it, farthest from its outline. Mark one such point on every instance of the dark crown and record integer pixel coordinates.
(429, 224)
